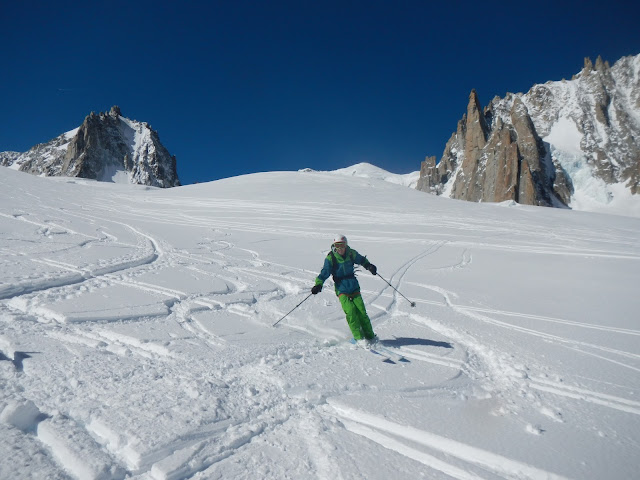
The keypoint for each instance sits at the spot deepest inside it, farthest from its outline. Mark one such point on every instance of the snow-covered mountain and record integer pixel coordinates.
(137, 338)
(106, 147)
(568, 143)
(367, 170)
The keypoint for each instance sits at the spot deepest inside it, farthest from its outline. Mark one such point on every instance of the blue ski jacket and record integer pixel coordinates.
(342, 269)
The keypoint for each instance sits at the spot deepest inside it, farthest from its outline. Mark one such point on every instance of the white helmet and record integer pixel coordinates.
(340, 239)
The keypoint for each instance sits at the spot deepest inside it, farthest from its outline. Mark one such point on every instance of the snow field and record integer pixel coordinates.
(136, 336)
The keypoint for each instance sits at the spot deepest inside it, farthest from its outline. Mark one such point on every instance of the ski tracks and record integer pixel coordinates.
(146, 252)
(606, 400)
(435, 451)
(501, 375)
(272, 418)
(400, 273)
(424, 356)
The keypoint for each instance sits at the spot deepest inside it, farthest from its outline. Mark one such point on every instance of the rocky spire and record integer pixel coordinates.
(601, 66)
(504, 161)
(476, 126)
(588, 66)
(528, 147)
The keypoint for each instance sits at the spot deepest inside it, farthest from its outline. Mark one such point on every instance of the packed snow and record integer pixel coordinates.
(137, 337)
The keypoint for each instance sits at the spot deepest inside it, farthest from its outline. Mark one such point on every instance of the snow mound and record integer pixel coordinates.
(367, 170)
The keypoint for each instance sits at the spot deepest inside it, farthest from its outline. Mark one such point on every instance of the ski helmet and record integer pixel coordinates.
(340, 239)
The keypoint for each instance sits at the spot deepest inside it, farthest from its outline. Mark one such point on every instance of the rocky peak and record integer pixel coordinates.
(545, 147)
(588, 66)
(476, 126)
(601, 65)
(106, 147)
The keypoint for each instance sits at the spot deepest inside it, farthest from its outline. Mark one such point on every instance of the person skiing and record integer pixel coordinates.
(340, 263)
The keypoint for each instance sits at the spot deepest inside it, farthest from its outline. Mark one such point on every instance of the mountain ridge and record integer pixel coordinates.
(562, 144)
(106, 147)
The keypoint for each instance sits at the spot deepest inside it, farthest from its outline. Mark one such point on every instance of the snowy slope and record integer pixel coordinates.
(366, 170)
(136, 336)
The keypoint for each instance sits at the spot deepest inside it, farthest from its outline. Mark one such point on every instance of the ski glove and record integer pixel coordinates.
(372, 268)
(316, 289)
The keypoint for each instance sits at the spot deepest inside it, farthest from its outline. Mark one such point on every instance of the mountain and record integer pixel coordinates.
(367, 170)
(106, 147)
(569, 143)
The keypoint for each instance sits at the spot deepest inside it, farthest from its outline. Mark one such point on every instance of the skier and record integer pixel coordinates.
(340, 263)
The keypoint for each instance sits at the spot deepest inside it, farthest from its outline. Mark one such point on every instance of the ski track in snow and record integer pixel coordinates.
(517, 379)
(158, 319)
(504, 467)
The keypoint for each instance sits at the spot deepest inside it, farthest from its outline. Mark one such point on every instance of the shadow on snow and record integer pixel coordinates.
(406, 341)
(18, 357)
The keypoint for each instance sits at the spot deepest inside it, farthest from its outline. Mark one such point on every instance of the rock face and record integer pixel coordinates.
(106, 147)
(559, 141)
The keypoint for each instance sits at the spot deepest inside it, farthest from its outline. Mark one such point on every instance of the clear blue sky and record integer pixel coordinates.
(237, 87)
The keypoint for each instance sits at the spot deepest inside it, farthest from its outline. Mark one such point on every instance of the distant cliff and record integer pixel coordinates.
(558, 142)
(106, 147)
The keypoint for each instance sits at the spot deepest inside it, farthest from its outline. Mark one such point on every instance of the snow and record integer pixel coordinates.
(448, 187)
(596, 196)
(138, 137)
(70, 135)
(15, 166)
(366, 170)
(115, 174)
(137, 338)
(591, 194)
(564, 135)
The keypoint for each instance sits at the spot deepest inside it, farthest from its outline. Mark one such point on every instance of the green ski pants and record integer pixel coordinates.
(357, 317)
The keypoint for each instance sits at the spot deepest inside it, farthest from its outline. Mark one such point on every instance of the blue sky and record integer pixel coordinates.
(236, 87)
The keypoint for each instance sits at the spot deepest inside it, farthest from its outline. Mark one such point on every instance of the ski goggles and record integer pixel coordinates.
(340, 245)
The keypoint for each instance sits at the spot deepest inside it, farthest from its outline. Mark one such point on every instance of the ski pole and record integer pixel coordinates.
(413, 304)
(292, 310)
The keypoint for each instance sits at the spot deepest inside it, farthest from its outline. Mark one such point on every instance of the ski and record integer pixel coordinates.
(391, 353)
(385, 357)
